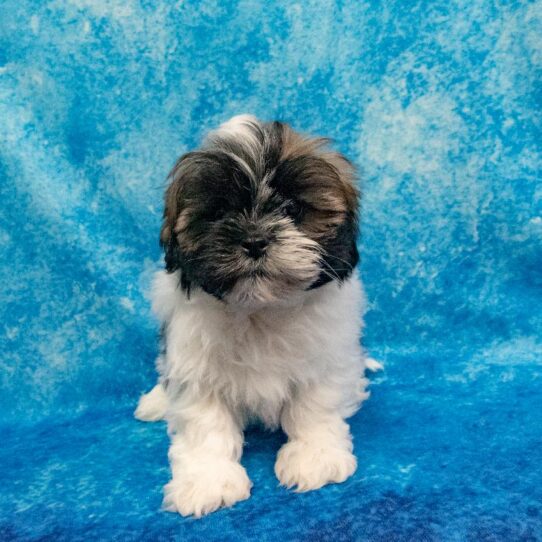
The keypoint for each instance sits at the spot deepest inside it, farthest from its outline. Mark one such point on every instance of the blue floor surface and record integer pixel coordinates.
(438, 103)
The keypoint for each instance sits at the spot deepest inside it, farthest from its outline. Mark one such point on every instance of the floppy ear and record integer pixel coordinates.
(347, 178)
(347, 233)
(341, 252)
(168, 236)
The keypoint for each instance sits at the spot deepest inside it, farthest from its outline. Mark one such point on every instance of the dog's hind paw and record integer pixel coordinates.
(152, 406)
(373, 365)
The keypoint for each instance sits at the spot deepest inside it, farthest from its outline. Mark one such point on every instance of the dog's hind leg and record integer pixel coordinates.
(152, 406)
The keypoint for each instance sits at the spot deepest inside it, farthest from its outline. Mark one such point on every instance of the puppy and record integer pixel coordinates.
(261, 312)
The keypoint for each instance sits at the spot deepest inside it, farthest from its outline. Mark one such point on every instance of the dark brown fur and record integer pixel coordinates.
(266, 181)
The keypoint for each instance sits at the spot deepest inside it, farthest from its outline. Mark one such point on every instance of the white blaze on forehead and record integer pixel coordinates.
(243, 129)
(237, 126)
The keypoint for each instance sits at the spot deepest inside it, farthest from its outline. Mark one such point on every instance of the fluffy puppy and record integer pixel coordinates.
(261, 312)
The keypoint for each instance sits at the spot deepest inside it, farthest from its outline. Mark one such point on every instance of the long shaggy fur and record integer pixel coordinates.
(261, 311)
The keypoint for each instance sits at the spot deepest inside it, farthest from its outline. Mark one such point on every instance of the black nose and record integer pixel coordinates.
(255, 248)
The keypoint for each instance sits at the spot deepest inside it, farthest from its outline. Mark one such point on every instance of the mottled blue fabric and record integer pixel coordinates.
(438, 103)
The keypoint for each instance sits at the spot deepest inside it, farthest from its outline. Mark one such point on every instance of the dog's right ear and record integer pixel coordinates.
(172, 208)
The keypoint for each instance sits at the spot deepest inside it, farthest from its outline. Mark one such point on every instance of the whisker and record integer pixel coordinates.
(328, 255)
(331, 273)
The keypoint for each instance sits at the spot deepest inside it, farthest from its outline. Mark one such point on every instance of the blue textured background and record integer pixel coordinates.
(439, 103)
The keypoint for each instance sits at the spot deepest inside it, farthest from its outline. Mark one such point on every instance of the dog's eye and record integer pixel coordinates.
(294, 210)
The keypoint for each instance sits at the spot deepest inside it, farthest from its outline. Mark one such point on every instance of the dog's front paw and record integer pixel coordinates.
(310, 466)
(202, 491)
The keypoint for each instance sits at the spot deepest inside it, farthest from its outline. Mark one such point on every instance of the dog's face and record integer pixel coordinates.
(260, 214)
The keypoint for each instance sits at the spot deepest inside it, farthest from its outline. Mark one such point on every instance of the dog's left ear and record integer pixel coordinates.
(341, 252)
(347, 176)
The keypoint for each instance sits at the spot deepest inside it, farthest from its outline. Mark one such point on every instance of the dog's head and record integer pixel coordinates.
(260, 214)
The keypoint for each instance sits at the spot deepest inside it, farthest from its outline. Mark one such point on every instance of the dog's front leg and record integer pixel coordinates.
(204, 455)
(319, 447)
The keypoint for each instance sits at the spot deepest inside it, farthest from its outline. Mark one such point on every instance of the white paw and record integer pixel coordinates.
(203, 491)
(153, 405)
(309, 466)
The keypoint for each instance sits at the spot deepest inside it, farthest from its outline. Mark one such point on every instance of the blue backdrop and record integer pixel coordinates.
(438, 103)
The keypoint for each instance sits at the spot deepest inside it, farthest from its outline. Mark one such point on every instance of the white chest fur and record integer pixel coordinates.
(256, 359)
